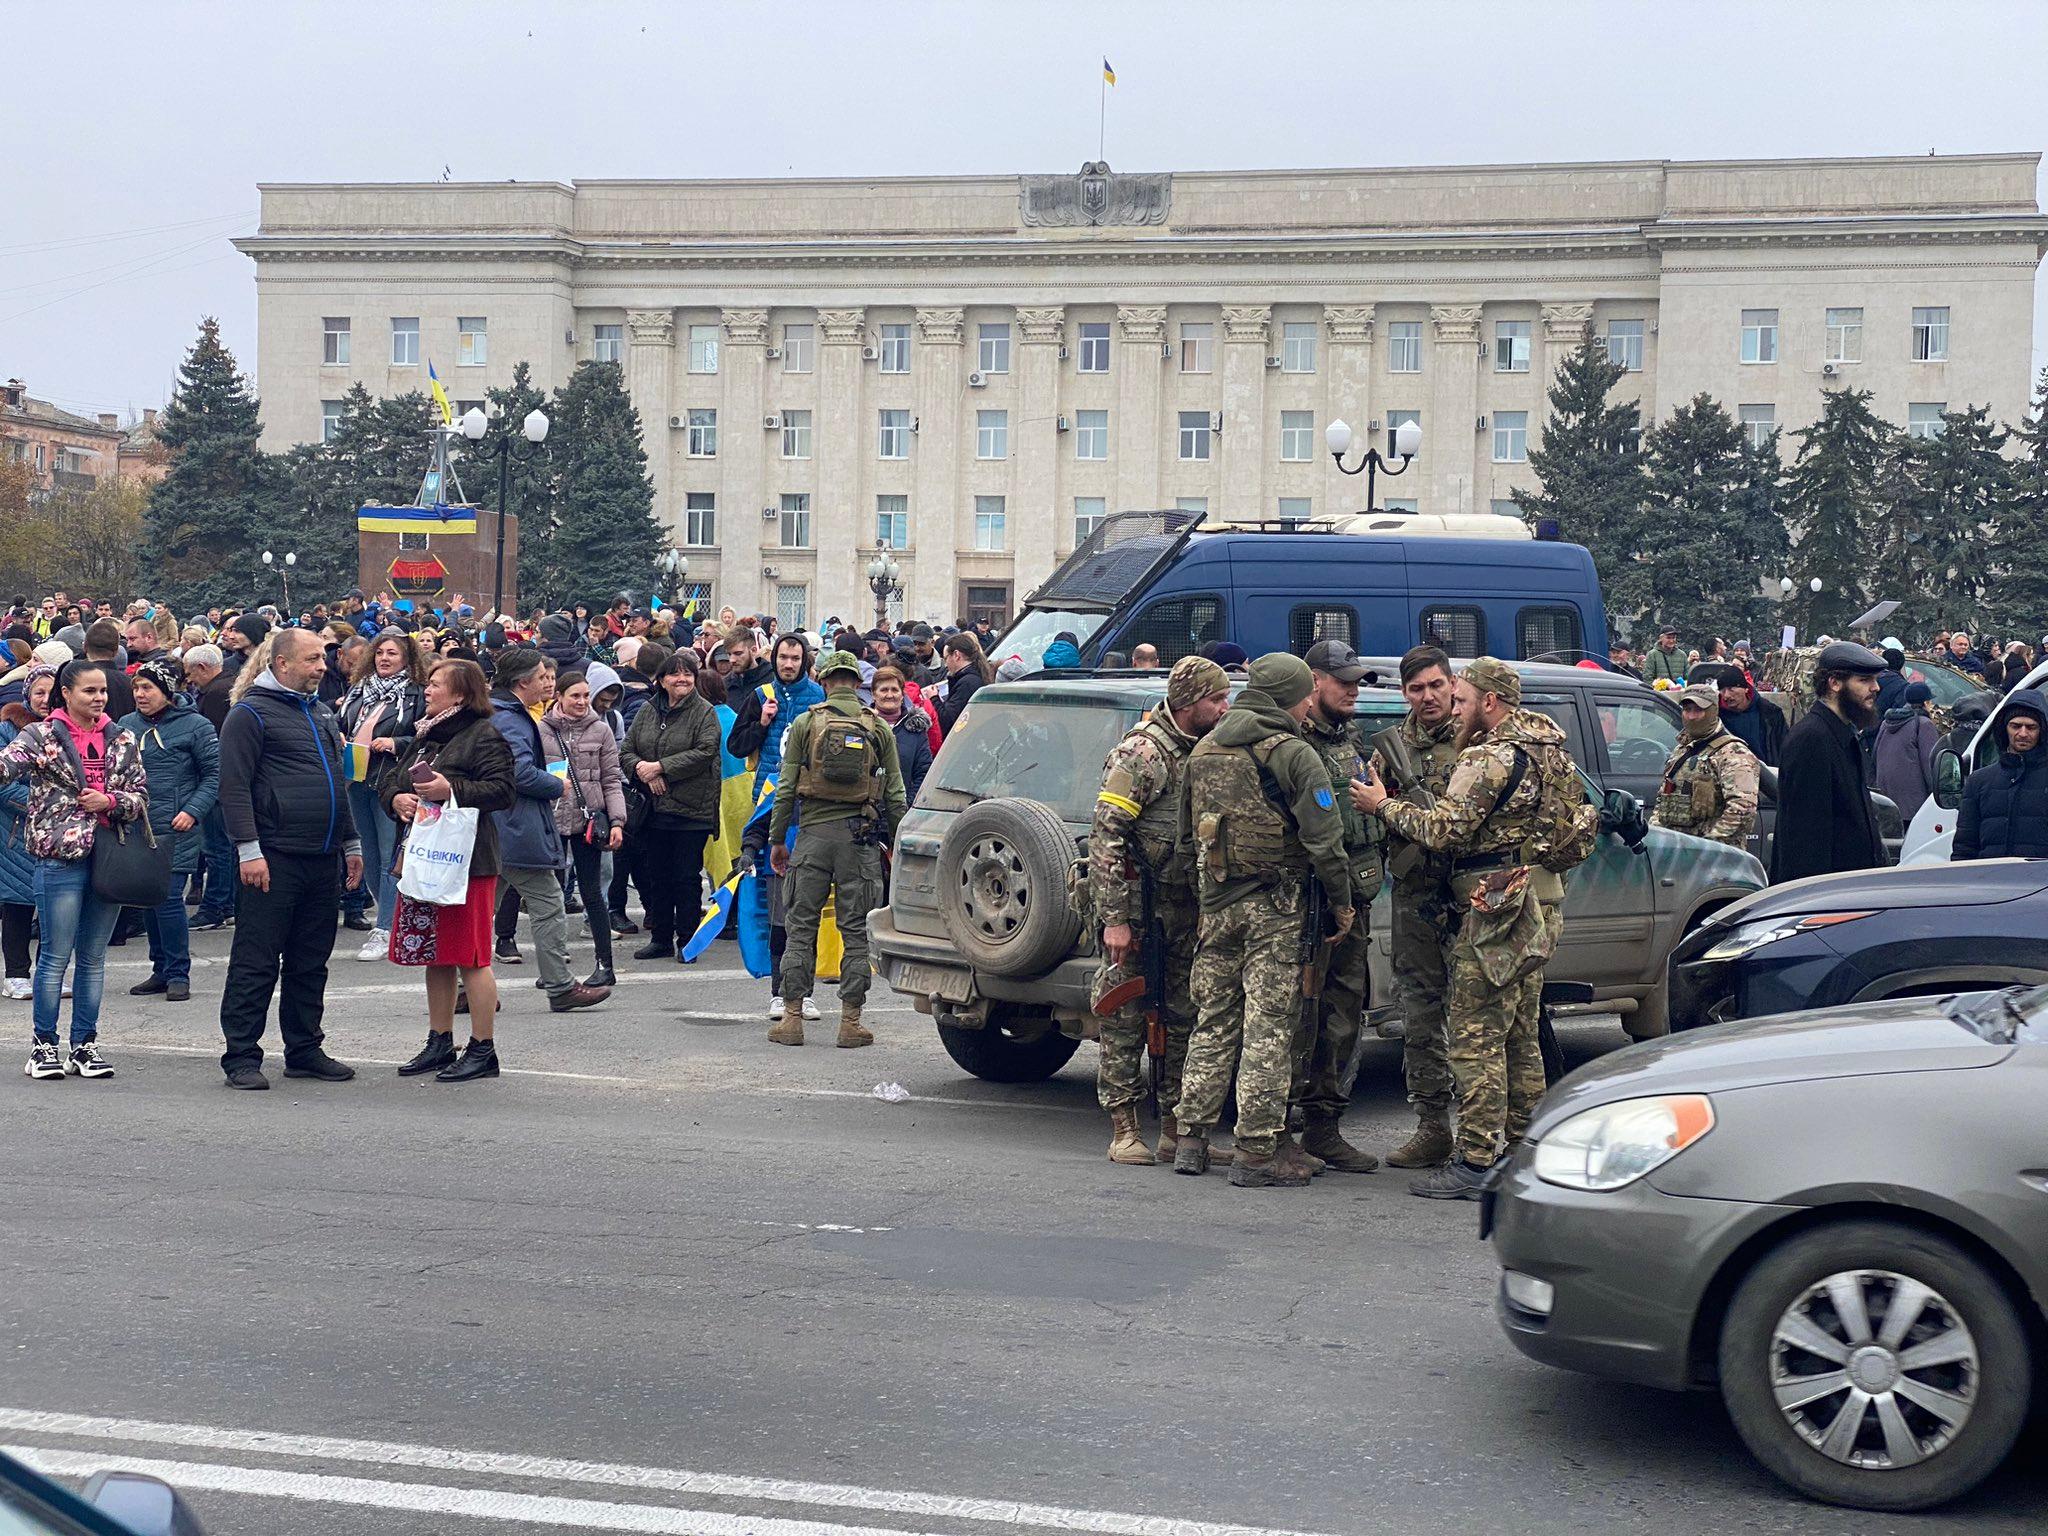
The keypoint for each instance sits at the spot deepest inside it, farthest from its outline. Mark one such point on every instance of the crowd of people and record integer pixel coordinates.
(279, 761)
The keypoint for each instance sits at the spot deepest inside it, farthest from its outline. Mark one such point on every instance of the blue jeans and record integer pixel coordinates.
(380, 848)
(170, 936)
(75, 924)
(222, 869)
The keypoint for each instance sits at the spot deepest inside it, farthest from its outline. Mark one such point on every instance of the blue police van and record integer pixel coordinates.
(1375, 581)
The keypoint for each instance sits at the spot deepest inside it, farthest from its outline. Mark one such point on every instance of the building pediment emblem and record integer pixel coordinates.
(1095, 197)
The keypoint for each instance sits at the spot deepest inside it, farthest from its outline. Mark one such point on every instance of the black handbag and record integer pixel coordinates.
(597, 825)
(130, 870)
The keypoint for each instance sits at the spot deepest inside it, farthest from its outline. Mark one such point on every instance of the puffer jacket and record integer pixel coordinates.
(913, 749)
(17, 866)
(526, 829)
(594, 774)
(683, 738)
(57, 828)
(181, 756)
(2005, 805)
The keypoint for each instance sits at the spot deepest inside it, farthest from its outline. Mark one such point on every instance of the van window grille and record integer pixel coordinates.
(1460, 632)
(1309, 624)
(1177, 627)
(1549, 633)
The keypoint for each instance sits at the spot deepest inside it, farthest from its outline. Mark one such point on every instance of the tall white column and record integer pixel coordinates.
(1247, 336)
(743, 478)
(842, 514)
(1348, 328)
(1135, 428)
(650, 377)
(930, 579)
(1033, 512)
(1451, 441)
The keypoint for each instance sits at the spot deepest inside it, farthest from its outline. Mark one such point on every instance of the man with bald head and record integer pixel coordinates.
(285, 797)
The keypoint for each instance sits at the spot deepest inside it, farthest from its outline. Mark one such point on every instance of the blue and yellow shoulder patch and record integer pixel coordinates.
(1323, 799)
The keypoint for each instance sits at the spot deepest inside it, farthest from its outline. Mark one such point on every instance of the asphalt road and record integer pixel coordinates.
(765, 1302)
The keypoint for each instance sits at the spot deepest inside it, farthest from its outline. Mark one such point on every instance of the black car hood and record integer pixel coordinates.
(1973, 883)
(1900, 1035)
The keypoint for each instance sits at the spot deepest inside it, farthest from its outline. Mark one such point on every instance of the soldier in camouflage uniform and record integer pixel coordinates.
(1139, 831)
(1487, 823)
(1328, 1036)
(1422, 921)
(1710, 783)
(1264, 817)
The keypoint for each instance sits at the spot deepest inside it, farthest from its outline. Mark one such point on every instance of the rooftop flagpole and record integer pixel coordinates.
(1102, 110)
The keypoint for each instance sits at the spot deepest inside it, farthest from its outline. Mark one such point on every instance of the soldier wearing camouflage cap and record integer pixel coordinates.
(1138, 846)
(1710, 781)
(843, 789)
(1264, 818)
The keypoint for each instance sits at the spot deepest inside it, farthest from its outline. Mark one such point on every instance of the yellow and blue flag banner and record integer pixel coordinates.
(737, 803)
(355, 757)
(728, 879)
(440, 518)
(1108, 74)
(440, 395)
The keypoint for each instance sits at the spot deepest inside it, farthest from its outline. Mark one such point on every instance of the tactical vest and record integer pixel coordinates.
(1240, 832)
(1691, 794)
(841, 761)
(1343, 758)
(1157, 831)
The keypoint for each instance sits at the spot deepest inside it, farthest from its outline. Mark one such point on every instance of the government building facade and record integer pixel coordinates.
(971, 370)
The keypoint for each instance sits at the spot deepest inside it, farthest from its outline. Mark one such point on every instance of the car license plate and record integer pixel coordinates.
(935, 981)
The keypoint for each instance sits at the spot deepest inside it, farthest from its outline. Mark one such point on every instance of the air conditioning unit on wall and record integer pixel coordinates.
(977, 380)
(771, 423)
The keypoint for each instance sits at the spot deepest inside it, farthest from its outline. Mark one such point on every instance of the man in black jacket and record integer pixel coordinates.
(2005, 805)
(1749, 716)
(1826, 823)
(285, 795)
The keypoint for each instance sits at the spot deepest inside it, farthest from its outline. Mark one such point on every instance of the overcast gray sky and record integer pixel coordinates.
(153, 123)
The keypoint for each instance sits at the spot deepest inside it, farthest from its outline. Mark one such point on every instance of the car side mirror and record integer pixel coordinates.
(147, 1506)
(1622, 814)
(1948, 779)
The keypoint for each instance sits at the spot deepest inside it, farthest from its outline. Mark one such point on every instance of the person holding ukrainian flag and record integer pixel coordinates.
(762, 718)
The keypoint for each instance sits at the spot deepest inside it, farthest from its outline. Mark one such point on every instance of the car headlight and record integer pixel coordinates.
(1754, 936)
(1618, 1143)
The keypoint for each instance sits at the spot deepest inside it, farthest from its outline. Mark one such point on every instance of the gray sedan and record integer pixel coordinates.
(1840, 1218)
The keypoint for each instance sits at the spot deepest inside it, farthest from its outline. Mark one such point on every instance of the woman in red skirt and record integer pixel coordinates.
(455, 751)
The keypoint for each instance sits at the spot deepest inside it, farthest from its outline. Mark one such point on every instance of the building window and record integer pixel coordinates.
(1505, 507)
(1845, 336)
(1298, 346)
(995, 347)
(892, 522)
(405, 341)
(1404, 346)
(472, 341)
(1759, 335)
(1297, 437)
(608, 344)
(330, 420)
(1197, 346)
(1094, 346)
(1394, 421)
(1190, 503)
(796, 519)
(697, 593)
(1930, 335)
(988, 522)
(1510, 437)
(1089, 512)
(703, 439)
(1758, 423)
(1510, 346)
(1194, 435)
(700, 518)
(792, 606)
(703, 349)
(895, 435)
(895, 349)
(1923, 418)
(798, 343)
(1402, 504)
(334, 341)
(991, 434)
(1091, 434)
(1296, 509)
(796, 434)
(464, 407)
(1625, 344)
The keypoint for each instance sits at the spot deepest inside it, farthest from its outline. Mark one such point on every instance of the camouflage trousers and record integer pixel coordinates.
(825, 862)
(1121, 1070)
(1327, 1037)
(1495, 1058)
(1246, 987)
(1421, 923)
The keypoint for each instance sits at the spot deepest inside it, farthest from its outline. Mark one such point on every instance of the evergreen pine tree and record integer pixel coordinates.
(1589, 471)
(1951, 488)
(1835, 496)
(529, 486)
(215, 509)
(1757, 543)
(2019, 589)
(377, 454)
(1707, 494)
(607, 539)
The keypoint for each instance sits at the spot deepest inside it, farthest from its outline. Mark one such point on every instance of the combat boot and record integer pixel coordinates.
(1430, 1146)
(791, 1030)
(1169, 1140)
(851, 1035)
(1322, 1139)
(1291, 1153)
(1191, 1154)
(1125, 1144)
(1273, 1170)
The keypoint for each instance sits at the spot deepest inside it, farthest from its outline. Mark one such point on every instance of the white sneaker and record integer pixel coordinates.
(810, 1010)
(67, 988)
(20, 989)
(775, 1011)
(376, 946)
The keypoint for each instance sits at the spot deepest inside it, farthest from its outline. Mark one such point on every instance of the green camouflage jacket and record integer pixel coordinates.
(1342, 749)
(1139, 820)
(1710, 789)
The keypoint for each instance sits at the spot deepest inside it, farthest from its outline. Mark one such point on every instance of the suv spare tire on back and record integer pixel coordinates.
(1003, 887)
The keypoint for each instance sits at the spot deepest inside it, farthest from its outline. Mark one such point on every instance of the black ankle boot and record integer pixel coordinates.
(601, 977)
(434, 1055)
(656, 949)
(478, 1059)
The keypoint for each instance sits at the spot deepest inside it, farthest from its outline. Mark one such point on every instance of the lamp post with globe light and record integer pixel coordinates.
(885, 580)
(674, 566)
(535, 430)
(291, 559)
(1405, 441)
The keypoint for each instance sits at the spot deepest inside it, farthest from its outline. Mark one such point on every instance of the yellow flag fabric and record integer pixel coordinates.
(831, 948)
(1108, 73)
(440, 395)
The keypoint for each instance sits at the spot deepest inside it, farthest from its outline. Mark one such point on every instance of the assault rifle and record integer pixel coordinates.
(1318, 928)
(1404, 781)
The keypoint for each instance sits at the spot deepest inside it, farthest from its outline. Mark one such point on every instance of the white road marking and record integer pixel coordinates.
(548, 1469)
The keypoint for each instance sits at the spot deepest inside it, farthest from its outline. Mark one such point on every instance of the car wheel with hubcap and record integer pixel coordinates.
(1875, 1365)
(1003, 887)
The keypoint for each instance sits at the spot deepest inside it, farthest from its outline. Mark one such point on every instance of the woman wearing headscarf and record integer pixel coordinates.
(181, 759)
(378, 717)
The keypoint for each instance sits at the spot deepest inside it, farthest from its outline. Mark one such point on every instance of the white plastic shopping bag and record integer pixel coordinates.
(437, 853)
